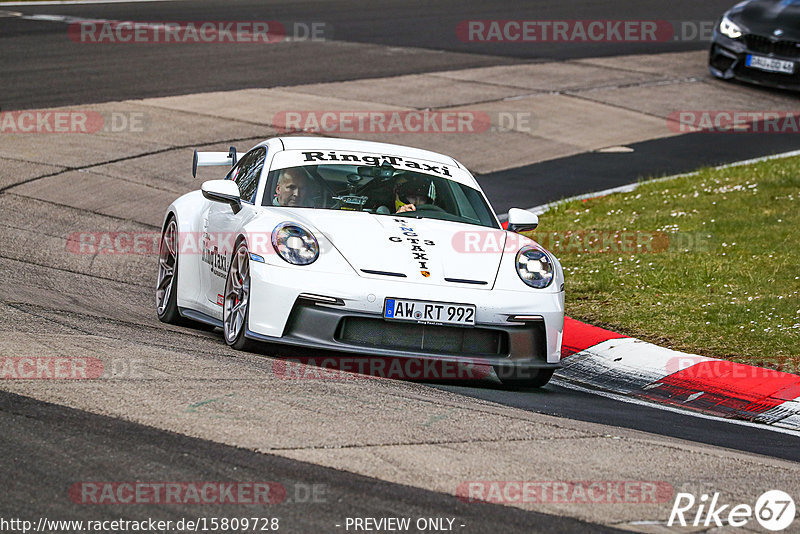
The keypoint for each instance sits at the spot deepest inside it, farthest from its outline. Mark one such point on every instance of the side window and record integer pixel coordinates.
(246, 173)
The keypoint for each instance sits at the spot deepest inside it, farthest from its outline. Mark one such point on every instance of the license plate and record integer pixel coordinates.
(770, 64)
(429, 312)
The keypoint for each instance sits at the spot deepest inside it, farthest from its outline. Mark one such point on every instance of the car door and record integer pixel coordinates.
(221, 226)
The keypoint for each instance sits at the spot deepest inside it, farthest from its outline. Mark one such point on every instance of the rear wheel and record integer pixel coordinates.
(236, 303)
(167, 282)
(523, 377)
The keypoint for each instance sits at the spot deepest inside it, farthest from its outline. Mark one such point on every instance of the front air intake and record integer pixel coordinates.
(422, 338)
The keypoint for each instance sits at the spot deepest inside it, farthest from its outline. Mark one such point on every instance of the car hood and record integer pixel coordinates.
(763, 17)
(425, 251)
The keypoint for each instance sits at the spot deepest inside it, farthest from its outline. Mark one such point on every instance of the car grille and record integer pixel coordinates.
(765, 45)
(767, 78)
(422, 338)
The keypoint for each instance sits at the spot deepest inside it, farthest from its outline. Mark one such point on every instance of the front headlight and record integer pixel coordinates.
(534, 267)
(729, 28)
(295, 244)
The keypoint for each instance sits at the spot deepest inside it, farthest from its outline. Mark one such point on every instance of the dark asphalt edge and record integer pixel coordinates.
(590, 405)
(588, 172)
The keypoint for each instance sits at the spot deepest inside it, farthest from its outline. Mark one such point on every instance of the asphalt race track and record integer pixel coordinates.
(562, 401)
(107, 447)
(184, 407)
(60, 72)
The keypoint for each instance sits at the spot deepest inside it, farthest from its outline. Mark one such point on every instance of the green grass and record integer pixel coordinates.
(723, 276)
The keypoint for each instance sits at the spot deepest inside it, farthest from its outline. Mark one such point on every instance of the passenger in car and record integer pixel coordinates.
(408, 195)
(412, 193)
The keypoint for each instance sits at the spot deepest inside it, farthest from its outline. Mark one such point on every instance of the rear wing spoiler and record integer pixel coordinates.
(207, 159)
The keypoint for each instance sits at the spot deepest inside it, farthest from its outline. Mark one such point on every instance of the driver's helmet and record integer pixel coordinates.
(416, 186)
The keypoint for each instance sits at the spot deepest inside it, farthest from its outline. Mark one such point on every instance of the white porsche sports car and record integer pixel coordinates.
(365, 248)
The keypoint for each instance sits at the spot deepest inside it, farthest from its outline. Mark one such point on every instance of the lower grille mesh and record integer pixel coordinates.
(422, 338)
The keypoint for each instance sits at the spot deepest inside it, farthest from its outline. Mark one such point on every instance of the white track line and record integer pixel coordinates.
(78, 2)
(639, 402)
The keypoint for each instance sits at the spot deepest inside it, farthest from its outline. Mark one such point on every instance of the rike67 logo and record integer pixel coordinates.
(774, 510)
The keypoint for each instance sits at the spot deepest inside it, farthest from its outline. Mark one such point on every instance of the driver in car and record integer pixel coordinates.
(293, 188)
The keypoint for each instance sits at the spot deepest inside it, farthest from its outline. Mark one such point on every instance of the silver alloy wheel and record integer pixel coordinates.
(237, 294)
(167, 261)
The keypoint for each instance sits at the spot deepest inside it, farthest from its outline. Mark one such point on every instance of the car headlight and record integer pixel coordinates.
(535, 267)
(729, 28)
(295, 244)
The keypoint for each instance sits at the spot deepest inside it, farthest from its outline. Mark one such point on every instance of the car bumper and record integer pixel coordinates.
(283, 310)
(728, 60)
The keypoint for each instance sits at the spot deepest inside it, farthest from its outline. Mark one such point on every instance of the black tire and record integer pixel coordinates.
(236, 338)
(241, 342)
(170, 313)
(523, 377)
(167, 296)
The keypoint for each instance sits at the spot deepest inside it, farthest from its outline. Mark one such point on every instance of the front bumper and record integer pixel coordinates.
(728, 60)
(278, 314)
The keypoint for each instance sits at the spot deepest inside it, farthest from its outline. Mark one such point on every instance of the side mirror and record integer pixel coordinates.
(521, 220)
(223, 191)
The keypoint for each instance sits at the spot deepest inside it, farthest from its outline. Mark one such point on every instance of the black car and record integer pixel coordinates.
(758, 41)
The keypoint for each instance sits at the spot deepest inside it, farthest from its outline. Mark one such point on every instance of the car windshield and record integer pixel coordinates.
(382, 190)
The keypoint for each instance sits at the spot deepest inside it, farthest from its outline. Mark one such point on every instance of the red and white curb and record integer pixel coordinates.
(605, 360)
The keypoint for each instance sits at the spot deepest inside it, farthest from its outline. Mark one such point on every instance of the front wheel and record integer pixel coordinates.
(236, 303)
(523, 377)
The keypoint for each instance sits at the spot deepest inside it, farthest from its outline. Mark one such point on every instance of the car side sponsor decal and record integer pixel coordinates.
(396, 161)
(217, 261)
(418, 251)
